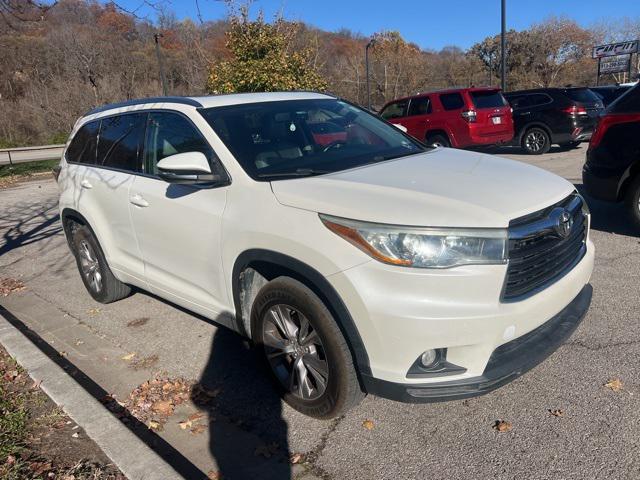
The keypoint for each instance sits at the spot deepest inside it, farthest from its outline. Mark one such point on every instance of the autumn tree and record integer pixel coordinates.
(262, 60)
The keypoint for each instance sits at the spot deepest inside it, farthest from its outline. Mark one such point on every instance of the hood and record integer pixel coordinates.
(440, 188)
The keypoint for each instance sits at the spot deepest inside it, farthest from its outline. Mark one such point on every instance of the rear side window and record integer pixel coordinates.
(120, 141)
(451, 101)
(627, 103)
(394, 110)
(171, 133)
(520, 101)
(538, 99)
(582, 95)
(82, 148)
(420, 106)
(488, 99)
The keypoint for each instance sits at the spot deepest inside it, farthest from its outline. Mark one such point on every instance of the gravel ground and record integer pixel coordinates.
(596, 434)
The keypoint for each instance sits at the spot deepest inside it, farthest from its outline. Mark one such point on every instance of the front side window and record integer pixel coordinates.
(394, 110)
(82, 148)
(420, 106)
(170, 133)
(451, 101)
(120, 141)
(275, 140)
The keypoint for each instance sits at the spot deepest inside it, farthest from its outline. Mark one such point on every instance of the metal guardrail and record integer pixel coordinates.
(12, 156)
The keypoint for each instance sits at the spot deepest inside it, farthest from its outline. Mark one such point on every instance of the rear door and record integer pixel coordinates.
(104, 190)
(451, 117)
(418, 117)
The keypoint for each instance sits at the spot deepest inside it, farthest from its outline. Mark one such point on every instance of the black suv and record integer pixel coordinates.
(612, 169)
(543, 116)
(609, 93)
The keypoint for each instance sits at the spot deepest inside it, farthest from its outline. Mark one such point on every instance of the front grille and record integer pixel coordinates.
(539, 252)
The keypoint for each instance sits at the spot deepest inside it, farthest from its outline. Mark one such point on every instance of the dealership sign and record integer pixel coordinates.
(614, 49)
(617, 64)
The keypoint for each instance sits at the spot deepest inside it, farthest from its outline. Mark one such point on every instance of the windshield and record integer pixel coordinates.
(488, 99)
(276, 140)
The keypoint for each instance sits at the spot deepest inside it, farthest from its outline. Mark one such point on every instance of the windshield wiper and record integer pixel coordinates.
(300, 172)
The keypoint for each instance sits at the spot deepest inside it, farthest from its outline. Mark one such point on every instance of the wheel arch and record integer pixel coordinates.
(440, 131)
(269, 265)
(530, 125)
(628, 178)
(68, 217)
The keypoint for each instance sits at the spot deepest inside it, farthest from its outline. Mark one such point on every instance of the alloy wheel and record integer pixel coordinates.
(90, 266)
(535, 141)
(295, 352)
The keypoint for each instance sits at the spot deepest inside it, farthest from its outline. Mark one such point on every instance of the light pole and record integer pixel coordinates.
(503, 47)
(366, 64)
(156, 36)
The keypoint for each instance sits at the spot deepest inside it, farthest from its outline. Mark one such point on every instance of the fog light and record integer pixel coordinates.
(428, 358)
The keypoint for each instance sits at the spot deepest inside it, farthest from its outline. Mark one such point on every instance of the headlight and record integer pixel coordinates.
(422, 247)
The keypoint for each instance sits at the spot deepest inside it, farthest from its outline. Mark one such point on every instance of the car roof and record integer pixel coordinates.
(544, 90)
(214, 100)
(446, 90)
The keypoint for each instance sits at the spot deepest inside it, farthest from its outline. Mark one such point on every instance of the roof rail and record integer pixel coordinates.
(141, 101)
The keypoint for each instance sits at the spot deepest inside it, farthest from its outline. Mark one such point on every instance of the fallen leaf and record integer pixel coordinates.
(163, 407)
(296, 458)
(129, 356)
(93, 311)
(185, 424)
(196, 416)
(11, 460)
(267, 451)
(368, 424)
(502, 426)
(213, 475)
(556, 412)
(75, 435)
(153, 425)
(11, 375)
(614, 384)
(10, 285)
(79, 342)
(36, 385)
(198, 429)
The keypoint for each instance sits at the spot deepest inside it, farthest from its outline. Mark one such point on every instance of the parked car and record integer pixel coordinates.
(608, 93)
(458, 118)
(366, 262)
(544, 116)
(612, 170)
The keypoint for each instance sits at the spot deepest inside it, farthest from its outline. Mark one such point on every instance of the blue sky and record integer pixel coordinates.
(429, 23)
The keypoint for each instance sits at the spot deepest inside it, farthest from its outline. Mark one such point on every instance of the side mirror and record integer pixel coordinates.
(189, 168)
(402, 128)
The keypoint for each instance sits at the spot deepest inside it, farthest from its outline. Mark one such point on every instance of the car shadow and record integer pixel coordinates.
(608, 217)
(248, 436)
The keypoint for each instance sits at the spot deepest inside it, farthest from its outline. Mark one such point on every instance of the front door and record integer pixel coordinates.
(179, 226)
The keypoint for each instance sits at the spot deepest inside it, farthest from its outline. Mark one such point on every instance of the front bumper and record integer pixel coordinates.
(506, 363)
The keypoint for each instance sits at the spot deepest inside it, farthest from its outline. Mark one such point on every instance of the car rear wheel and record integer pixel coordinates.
(96, 275)
(438, 140)
(536, 141)
(632, 201)
(307, 355)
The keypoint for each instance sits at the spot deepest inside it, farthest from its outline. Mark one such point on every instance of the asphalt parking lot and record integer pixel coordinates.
(564, 422)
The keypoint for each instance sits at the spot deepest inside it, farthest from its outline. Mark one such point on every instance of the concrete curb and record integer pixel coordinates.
(131, 455)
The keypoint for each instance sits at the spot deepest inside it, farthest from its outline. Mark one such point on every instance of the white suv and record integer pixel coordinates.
(356, 258)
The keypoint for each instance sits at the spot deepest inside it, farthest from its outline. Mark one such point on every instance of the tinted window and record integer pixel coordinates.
(82, 148)
(171, 133)
(488, 99)
(520, 101)
(539, 99)
(420, 106)
(394, 110)
(275, 140)
(451, 101)
(582, 95)
(627, 103)
(120, 141)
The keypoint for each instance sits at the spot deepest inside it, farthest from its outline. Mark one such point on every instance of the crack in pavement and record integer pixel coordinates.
(595, 348)
(314, 454)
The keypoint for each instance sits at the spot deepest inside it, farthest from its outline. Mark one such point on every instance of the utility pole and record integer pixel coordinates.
(366, 63)
(503, 47)
(156, 36)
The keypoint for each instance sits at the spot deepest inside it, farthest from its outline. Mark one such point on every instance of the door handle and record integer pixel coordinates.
(138, 201)
(86, 184)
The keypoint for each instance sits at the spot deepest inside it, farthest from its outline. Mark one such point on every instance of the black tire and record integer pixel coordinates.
(535, 141)
(632, 202)
(341, 390)
(438, 140)
(569, 145)
(98, 279)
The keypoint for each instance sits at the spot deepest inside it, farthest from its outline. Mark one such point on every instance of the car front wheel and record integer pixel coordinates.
(305, 350)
